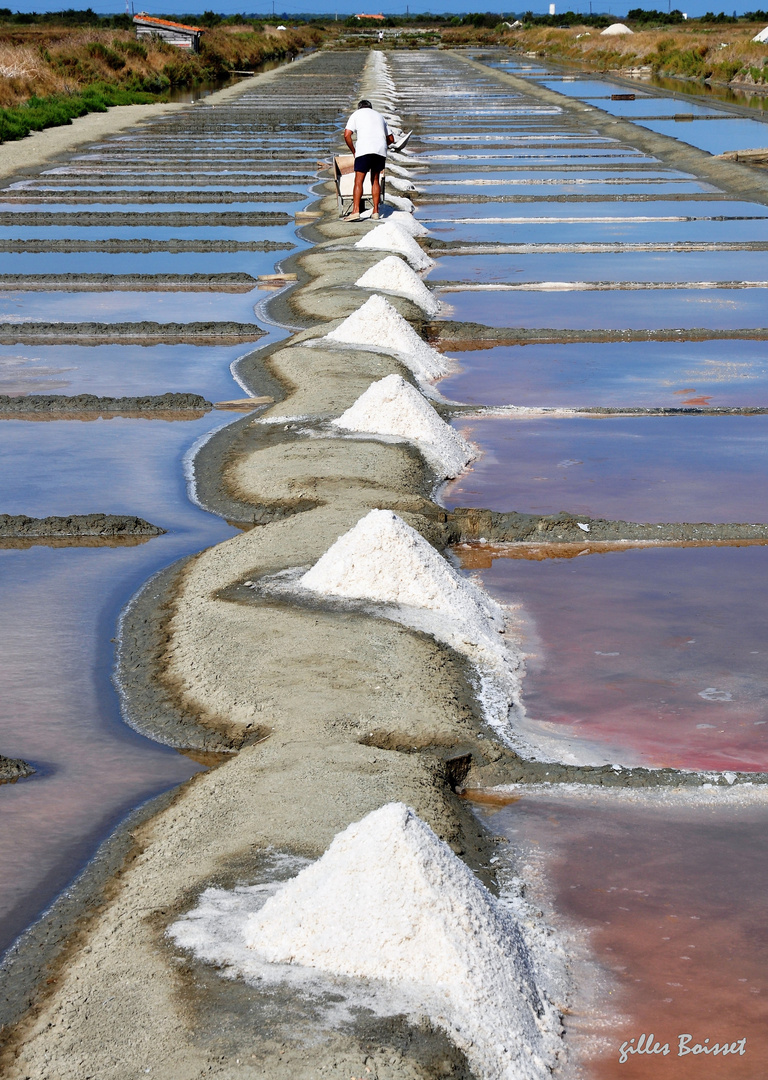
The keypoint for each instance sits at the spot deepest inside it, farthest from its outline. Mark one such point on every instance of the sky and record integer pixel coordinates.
(694, 8)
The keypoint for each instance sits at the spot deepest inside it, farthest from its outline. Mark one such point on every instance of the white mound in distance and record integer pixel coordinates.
(616, 30)
(394, 407)
(391, 237)
(389, 900)
(762, 36)
(378, 325)
(395, 276)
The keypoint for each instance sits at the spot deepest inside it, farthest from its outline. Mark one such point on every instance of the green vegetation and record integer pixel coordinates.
(38, 113)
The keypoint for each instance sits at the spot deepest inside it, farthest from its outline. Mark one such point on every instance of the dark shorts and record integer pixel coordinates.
(372, 163)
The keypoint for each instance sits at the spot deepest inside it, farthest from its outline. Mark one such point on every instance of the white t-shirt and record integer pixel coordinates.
(371, 130)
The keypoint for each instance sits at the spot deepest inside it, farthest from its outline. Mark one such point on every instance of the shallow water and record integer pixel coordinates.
(650, 468)
(612, 309)
(714, 136)
(657, 655)
(612, 266)
(653, 891)
(58, 611)
(117, 370)
(125, 306)
(624, 374)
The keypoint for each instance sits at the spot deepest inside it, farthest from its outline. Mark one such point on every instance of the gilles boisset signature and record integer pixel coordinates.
(647, 1044)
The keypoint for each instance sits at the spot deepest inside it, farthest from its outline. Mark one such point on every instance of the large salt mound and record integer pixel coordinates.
(390, 901)
(390, 237)
(384, 559)
(378, 325)
(394, 276)
(616, 30)
(394, 407)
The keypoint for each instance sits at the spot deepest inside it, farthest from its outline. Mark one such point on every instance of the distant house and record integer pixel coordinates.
(183, 37)
(370, 17)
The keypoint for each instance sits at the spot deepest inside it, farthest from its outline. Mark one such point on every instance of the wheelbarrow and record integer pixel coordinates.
(344, 173)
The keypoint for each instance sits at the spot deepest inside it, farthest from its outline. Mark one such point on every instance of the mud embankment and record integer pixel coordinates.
(107, 527)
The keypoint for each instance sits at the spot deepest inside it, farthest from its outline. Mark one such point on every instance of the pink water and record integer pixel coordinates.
(654, 891)
(659, 655)
(646, 469)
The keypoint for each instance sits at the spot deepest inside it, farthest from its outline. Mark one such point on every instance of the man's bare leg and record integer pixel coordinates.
(357, 192)
(375, 191)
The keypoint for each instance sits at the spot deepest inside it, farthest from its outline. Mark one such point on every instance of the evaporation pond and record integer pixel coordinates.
(626, 374)
(645, 469)
(612, 266)
(656, 655)
(669, 902)
(610, 309)
(238, 261)
(118, 370)
(59, 608)
(714, 136)
(124, 306)
(504, 227)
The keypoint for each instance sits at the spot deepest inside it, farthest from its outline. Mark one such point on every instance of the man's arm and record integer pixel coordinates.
(390, 139)
(348, 140)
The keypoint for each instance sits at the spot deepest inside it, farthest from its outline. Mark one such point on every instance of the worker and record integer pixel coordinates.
(370, 152)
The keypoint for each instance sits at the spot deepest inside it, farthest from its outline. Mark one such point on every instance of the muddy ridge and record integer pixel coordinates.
(109, 282)
(192, 331)
(117, 246)
(30, 403)
(168, 219)
(19, 526)
(12, 769)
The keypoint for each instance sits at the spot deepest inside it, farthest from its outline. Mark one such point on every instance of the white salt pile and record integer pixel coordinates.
(382, 558)
(395, 276)
(394, 407)
(409, 224)
(400, 184)
(391, 237)
(400, 202)
(377, 325)
(390, 901)
(616, 29)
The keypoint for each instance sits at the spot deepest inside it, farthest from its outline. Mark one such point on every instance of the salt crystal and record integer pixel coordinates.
(390, 237)
(394, 407)
(395, 276)
(377, 325)
(390, 901)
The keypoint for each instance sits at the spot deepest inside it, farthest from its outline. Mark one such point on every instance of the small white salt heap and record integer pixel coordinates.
(390, 901)
(394, 407)
(390, 237)
(395, 276)
(408, 223)
(377, 325)
(400, 202)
